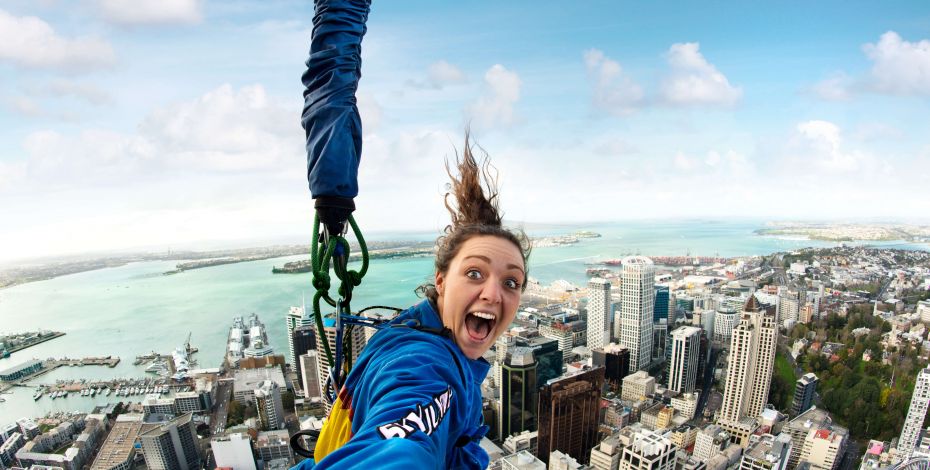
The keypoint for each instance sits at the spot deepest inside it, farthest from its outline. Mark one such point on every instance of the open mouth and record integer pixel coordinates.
(480, 325)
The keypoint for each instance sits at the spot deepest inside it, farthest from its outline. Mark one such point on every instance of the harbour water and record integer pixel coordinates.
(135, 309)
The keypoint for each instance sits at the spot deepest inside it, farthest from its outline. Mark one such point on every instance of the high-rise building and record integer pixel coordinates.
(616, 362)
(547, 355)
(568, 414)
(268, 404)
(749, 374)
(562, 333)
(823, 449)
(648, 451)
(310, 375)
(660, 348)
(804, 390)
(637, 386)
(303, 339)
(519, 394)
(171, 445)
(296, 317)
(662, 305)
(599, 312)
(683, 368)
(916, 414)
(710, 441)
(766, 452)
(725, 321)
(637, 309)
(789, 305)
(233, 451)
(357, 338)
(606, 456)
(800, 427)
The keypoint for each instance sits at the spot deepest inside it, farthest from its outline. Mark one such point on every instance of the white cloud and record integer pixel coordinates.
(28, 41)
(871, 131)
(836, 88)
(370, 111)
(692, 80)
(614, 91)
(615, 146)
(24, 106)
(822, 142)
(495, 107)
(684, 163)
(151, 12)
(439, 75)
(714, 165)
(227, 130)
(84, 91)
(899, 67)
(442, 73)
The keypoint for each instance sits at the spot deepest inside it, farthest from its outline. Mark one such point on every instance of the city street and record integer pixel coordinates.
(221, 406)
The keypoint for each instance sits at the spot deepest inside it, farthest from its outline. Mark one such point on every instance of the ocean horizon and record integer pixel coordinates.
(135, 309)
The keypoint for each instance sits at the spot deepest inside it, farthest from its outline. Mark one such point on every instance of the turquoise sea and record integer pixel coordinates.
(135, 309)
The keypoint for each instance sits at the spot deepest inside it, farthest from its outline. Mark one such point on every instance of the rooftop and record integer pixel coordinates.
(118, 446)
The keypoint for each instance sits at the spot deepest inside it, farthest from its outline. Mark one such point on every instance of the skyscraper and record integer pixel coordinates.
(171, 445)
(637, 309)
(357, 337)
(599, 313)
(568, 414)
(648, 451)
(749, 374)
(616, 362)
(296, 318)
(233, 451)
(268, 404)
(915, 414)
(310, 375)
(683, 367)
(661, 309)
(303, 339)
(804, 390)
(519, 393)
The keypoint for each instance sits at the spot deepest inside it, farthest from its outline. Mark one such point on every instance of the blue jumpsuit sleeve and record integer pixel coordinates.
(407, 413)
(330, 116)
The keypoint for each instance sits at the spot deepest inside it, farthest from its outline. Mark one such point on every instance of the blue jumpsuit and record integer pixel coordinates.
(412, 401)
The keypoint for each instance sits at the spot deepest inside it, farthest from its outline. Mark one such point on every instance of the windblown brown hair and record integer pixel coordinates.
(474, 212)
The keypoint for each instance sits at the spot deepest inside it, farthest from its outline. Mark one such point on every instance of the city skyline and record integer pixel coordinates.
(156, 126)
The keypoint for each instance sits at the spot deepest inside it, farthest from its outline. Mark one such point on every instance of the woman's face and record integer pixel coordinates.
(480, 292)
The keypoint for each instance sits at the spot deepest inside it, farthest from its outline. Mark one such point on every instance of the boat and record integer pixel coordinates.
(38, 394)
(64, 394)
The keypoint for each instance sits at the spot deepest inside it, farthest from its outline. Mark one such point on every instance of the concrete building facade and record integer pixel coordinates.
(636, 310)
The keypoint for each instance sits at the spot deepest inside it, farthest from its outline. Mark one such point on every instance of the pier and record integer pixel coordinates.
(51, 364)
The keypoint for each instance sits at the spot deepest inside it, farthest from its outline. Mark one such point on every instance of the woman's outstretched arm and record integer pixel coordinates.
(330, 116)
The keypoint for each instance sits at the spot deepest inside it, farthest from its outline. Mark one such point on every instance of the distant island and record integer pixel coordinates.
(563, 240)
(847, 232)
(420, 249)
(189, 260)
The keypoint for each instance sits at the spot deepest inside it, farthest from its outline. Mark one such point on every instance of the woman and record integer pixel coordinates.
(413, 398)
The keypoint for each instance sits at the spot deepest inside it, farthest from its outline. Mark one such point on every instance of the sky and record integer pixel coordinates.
(129, 124)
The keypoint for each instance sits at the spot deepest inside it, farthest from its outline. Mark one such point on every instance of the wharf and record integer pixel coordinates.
(34, 341)
(51, 364)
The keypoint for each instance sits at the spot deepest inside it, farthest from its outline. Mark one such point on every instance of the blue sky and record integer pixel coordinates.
(173, 122)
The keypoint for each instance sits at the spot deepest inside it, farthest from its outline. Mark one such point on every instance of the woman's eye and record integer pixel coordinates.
(473, 274)
(512, 283)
